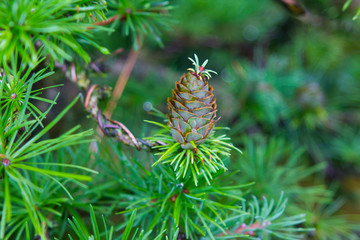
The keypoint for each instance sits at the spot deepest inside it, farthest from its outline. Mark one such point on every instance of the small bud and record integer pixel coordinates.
(5, 162)
(186, 191)
(13, 96)
(128, 11)
(173, 197)
(251, 233)
(180, 185)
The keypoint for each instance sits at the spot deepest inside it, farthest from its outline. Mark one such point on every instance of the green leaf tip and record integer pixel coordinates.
(200, 70)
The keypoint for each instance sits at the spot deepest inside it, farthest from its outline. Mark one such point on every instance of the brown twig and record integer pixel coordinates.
(121, 82)
(110, 128)
(108, 21)
(92, 88)
(123, 17)
(248, 230)
(299, 10)
(294, 7)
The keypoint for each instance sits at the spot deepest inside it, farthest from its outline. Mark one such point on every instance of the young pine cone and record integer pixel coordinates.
(192, 107)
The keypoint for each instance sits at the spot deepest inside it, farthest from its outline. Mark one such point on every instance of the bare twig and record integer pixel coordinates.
(248, 230)
(124, 16)
(294, 7)
(298, 10)
(110, 128)
(108, 21)
(121, 82)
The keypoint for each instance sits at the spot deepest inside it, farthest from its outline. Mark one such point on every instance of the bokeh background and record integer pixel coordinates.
(287, 86)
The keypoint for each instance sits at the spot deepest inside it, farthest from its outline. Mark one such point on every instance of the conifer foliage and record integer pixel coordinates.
(185, 180)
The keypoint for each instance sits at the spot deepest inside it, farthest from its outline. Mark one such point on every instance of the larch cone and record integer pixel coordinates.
(192, 108)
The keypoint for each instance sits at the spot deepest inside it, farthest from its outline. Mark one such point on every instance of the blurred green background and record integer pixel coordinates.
(288, 87)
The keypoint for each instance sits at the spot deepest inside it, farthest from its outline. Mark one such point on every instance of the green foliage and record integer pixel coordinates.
(200, 69)
(327, 223)
(288, 90)
(345, 147)
(20, 143)
(17, 79)
(41, 198)
(264, 220)
(205, 160)
(274, 95)
(44, 202)
(281, 170)
(57, 26)
(347, 4)
(82, 234)
(233, 20)
(140, 19)
(163, 203)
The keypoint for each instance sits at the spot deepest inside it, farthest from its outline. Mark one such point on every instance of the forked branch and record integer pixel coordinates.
(93, 95)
